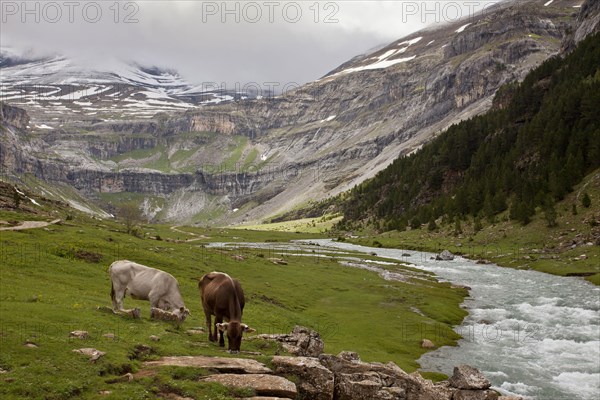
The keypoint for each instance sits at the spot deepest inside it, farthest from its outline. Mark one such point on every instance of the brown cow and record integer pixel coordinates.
(223, 297)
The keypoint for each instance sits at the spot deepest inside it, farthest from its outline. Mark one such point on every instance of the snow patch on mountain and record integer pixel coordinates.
(58, 85)
(385, 60)
(462, 28)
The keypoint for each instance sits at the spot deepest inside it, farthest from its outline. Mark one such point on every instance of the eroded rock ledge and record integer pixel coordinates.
(311, 374)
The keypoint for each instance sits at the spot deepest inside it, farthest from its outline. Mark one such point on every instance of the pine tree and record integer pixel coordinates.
(415, 223)
(477, 226)
(432, 226)
(586, 201)
(488, 208)
(550, 214)
(457, 227)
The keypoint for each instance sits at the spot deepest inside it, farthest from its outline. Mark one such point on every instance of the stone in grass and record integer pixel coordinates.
(128, 377)
(134, 313)
(278, 261)
(93, 354)
(301, 341)
(154, 338)
(157, 313)
(79, 334)
(198, 330)
(427, 344)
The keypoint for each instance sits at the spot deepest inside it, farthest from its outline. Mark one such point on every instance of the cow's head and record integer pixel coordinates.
(234, 333)
(181, 313)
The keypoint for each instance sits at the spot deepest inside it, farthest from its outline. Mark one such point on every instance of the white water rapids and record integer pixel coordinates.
(532, 334)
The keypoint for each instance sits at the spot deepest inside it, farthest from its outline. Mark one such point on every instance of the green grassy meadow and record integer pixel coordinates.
(306, 225)
(53, 279)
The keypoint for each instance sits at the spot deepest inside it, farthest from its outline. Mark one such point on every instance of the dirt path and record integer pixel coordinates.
(196, 236)
(29, 225)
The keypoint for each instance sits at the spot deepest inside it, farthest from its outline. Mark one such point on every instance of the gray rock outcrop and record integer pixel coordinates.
(224, 365)
(263, 385)
(469, 378)
(359, 380)
(475, 395)
(331, 377)
(315, 381)
(300, 342)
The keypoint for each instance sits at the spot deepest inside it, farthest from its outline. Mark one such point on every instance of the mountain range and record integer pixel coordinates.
(187, 154)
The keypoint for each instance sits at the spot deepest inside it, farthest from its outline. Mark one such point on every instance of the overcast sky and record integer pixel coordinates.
(216, 41)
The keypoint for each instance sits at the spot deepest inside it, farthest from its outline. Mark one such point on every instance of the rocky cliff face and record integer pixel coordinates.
(588, 22)
(269, 155)
(13, 116)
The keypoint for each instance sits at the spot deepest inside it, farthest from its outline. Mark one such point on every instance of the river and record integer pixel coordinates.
(532, 334)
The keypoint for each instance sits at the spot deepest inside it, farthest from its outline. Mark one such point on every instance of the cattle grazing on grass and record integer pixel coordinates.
(145, 283)
(223, 297)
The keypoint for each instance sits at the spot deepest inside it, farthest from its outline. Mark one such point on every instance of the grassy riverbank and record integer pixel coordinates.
(570, 248)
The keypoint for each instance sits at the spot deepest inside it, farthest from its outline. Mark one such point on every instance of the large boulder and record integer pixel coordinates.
(357, 380)
(220, 364)
(315, 381)
(469, 378)
(366, 386)
(475, 395)
(302, 342)
(445, 255)
(263, 385)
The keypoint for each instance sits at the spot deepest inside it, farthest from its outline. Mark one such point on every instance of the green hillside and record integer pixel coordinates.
(541, 139)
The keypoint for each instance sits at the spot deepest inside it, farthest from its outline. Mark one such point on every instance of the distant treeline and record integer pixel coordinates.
(541, 138)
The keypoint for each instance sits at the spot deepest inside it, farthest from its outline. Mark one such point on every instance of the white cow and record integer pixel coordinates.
(145, 283)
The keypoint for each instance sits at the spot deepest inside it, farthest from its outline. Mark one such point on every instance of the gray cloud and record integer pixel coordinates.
(217, 41)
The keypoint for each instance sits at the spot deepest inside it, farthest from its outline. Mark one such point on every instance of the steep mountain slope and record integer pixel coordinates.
(248, 160)
(541, 140)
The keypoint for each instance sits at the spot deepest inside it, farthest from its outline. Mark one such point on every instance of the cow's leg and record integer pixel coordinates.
(154, 299)
(117, 294)
(219, 320)
(210, 327)
(208, 314)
